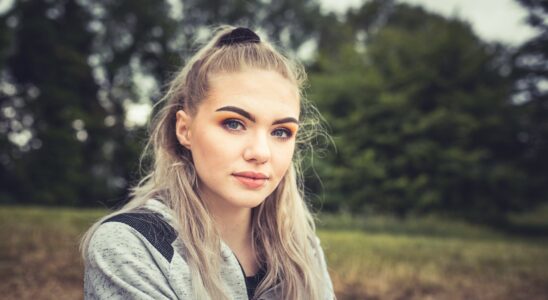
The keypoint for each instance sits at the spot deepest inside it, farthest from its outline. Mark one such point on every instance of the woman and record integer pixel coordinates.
(221, 215)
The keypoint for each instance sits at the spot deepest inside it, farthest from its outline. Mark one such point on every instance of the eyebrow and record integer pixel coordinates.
(250, 117)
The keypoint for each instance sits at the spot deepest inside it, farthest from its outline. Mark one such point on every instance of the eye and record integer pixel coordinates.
(282, 133)
(233, 124)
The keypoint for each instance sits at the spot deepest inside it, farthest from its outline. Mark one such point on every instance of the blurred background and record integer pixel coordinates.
(435, 185)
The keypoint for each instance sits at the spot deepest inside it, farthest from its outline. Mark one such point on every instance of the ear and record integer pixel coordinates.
(182, 128)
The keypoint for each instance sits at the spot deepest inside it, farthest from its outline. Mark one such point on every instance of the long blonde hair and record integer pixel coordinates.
(283, 231)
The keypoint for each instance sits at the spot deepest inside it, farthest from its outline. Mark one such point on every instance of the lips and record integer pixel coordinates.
(251, 180)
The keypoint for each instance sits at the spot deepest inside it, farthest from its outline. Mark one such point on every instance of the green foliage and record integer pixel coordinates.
(425, 116)
(55, 101)
(530, 73)
(422, 119)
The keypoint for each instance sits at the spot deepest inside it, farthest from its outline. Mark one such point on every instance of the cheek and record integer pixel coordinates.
(205, 153)
(212, 151)
(282, 161)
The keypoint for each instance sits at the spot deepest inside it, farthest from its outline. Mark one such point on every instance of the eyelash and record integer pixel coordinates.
(232, 121)
(226, 123)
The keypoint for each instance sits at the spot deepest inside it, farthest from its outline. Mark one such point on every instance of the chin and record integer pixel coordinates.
(248, 202)
(252, 203)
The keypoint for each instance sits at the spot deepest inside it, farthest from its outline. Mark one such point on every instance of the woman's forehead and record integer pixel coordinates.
(256, 91)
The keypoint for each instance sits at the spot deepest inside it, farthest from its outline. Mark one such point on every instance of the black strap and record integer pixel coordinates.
(153, 227)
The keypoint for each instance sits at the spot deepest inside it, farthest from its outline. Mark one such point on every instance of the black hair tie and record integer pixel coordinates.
(239, 35)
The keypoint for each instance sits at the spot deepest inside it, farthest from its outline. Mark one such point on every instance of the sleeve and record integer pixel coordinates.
(329, 292)
(120, 266)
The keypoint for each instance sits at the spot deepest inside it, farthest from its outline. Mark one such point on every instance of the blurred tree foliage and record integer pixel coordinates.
(422, 116)
(426, 116)
(50, 106)
(530, 74)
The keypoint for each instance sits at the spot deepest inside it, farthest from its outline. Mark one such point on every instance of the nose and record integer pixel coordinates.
(257, 149)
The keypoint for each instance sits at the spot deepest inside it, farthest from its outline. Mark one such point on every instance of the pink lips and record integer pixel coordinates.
(251, 180)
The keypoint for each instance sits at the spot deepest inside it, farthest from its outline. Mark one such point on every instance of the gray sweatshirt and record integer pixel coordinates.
(138, 256)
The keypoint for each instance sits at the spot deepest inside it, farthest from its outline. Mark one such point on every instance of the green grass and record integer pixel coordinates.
(39, 256)
(430, 257)
(369, 258)
(398, 266)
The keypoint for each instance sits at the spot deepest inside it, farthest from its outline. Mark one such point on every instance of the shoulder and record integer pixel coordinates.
(142, 229)
(129, 256)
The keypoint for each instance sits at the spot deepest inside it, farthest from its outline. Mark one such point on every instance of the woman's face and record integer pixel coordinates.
(242, 136)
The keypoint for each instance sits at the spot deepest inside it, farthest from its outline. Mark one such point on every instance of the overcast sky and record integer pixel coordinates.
(493, 20)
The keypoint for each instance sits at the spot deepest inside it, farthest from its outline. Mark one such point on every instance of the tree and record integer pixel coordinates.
(530, 72)
(57, 124)
(421, 114)
(73, 65)
(6, 38)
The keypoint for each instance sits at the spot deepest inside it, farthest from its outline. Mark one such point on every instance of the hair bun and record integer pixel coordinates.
(239, 35)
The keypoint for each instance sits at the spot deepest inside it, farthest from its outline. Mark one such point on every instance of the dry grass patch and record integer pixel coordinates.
(379, 259)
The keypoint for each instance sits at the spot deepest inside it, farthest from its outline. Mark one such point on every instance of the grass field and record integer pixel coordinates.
(369, 258)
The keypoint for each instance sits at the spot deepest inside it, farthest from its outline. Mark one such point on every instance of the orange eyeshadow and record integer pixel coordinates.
(224, 115)
(221, 116)
(291, 126)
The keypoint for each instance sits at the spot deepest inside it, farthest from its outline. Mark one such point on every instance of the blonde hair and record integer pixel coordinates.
(283, 231)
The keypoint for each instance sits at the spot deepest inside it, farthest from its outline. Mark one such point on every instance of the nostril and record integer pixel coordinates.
(257, 153)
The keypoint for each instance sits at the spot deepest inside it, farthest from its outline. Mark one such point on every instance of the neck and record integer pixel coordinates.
(234, 226)
(233, 223)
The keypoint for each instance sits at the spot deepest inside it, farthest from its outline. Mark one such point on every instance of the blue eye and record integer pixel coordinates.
(232, 124)
(282, 133)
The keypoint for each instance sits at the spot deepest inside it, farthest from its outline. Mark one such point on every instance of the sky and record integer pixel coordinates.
(492, 20)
